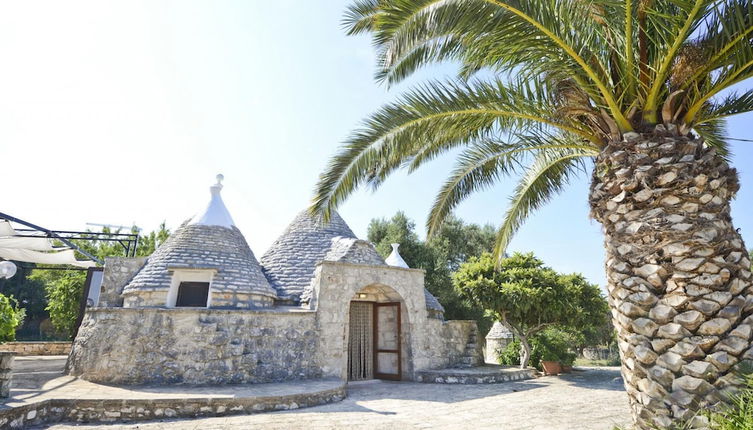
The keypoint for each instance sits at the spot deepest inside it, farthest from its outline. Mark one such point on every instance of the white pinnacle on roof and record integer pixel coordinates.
(216, 213)
(394, 259)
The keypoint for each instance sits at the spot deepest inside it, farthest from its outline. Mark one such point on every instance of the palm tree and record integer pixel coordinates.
(639, 87)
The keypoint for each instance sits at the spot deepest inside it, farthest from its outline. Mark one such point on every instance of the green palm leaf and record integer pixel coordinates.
(563, 78)
(546, 176)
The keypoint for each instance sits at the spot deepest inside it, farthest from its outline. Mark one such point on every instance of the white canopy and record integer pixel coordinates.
(59, 257)
(34, 249)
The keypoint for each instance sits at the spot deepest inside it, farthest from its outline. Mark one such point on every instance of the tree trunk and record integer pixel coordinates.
(679, 279)
(525, 352)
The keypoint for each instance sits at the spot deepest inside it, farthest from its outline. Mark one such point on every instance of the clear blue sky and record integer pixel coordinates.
(122, 112)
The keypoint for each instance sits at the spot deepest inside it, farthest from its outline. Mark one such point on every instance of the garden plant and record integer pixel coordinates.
(640, 89)
(529, 298)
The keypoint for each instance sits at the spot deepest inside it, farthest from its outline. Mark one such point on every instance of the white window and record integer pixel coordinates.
(191, 288)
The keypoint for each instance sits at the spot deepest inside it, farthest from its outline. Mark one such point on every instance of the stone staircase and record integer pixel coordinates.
(471, 356)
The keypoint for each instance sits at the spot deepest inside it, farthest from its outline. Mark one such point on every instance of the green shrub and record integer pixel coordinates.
(11, 317)
(510, 356)
(549, 345)
(738, 414)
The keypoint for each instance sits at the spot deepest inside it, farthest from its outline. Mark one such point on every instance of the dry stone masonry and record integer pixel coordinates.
(679, 277)
(284, 319)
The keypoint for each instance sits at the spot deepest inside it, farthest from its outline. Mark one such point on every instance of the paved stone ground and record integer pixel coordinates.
(592, 398)
(37, 378)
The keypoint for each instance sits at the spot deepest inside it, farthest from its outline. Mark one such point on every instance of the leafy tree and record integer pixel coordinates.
(11, 316)
(29, 294)
(528, 297)
(399, 229)
(64, 288)
(545, 87)
(439, 257)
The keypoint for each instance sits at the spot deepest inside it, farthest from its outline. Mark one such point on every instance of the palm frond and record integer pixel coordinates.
(361, 16)
(727, 30)
(569, 77)
(733, 104)
(500, 34)
(547, 175)
(487, 162)
(428, 121)
(691, 14)
(714, 133)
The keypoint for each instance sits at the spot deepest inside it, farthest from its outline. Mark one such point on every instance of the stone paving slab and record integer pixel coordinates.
(587, 399)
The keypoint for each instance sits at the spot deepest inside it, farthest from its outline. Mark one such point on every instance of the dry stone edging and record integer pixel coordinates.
(679, 280)
(488, 374)
(50, 411)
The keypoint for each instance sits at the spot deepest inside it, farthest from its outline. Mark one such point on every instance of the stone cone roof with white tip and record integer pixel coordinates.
(208, 241)
(291, 260)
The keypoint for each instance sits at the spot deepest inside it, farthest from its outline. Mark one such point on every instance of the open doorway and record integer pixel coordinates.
(374, 335)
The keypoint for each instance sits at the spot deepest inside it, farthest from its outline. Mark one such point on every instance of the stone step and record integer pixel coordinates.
(489, 374)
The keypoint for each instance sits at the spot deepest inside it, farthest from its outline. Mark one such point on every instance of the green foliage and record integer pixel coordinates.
(549, 345)
(739, 413)
(529, 297)
(64, 288)
(439, 256)
(542, 87)
(11, 316)
(555, 345)
(29, 293)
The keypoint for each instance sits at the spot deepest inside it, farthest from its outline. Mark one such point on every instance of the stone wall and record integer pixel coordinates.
(195, 346)
(37, 348)
(117, 274)
(454, 342)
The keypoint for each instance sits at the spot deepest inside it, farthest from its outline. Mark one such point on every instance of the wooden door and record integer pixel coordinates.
(387, 359)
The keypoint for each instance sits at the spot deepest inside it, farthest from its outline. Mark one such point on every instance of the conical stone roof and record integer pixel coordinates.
(291, 260)
(208, 241)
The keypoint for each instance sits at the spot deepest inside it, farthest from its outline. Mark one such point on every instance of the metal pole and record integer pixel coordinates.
(50, 233)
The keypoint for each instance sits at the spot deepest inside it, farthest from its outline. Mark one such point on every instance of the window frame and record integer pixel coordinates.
(189, 275)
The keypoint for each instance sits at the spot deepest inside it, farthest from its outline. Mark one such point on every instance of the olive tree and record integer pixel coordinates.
(528, 297)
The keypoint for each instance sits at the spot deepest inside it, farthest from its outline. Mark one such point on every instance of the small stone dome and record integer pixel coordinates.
(209, 248)
(499, 331)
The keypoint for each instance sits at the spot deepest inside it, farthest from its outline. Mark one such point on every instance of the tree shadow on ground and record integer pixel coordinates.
(595, 378)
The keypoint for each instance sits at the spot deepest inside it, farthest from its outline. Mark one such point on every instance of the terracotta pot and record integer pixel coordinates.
(566, 368)
(551, 367)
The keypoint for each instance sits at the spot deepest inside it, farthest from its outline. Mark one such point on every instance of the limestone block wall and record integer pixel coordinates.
(37, 348)
(195, 346)
(456, 337)
(117, 274)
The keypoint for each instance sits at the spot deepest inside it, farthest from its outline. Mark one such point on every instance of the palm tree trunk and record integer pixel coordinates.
(679, 279)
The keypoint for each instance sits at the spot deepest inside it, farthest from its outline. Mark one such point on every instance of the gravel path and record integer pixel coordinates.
(591, 398)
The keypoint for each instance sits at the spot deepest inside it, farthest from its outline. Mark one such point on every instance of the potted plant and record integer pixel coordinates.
(566, 361)
(550, 363)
